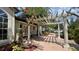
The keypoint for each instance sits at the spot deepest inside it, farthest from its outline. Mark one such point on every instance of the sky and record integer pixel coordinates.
(60, 9)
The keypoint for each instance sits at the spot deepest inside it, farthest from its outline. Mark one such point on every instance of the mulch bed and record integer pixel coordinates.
(8, 47)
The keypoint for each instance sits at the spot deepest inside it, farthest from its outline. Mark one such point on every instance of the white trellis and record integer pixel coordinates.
(64, 27)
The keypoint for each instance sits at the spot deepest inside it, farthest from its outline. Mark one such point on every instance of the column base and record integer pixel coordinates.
(66, 46)
(58, 37)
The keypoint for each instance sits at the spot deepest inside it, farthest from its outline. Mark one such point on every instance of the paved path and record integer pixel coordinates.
(53, 39)
(50, 38)
(46, 46)
(48, 43)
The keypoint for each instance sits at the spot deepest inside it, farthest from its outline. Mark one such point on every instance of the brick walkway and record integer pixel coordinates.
(46, 46)
(53, 39)
(50, 43)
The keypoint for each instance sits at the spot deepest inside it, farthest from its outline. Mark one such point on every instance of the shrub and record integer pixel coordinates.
(17, 48)
(76, 36)
(74, 31)
(45, 33)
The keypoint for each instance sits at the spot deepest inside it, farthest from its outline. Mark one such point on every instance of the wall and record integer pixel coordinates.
(33, 27)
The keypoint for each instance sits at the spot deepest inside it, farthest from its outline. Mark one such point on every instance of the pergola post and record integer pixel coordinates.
(66, 33)
(40, 29)
(59, 31)
(28, 33)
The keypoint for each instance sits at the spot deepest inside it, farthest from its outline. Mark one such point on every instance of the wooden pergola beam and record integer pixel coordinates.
(54, 23)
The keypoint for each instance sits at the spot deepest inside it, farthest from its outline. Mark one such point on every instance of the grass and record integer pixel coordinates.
(74, 49)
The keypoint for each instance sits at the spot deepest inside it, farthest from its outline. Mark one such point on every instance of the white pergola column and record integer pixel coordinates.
(40, 30)
(59, 31)
(28, 33)
(66, 33)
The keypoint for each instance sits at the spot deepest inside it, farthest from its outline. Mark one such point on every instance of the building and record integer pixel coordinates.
(12, 21)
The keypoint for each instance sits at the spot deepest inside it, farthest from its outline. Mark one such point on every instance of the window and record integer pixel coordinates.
(0, 25)
(20, 25)
(0, 19)
(3, 28)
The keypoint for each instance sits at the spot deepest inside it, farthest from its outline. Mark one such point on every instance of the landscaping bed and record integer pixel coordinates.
(6, 48)
(17, 47)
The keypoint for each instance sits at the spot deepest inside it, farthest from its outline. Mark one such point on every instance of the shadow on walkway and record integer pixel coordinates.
(76, 46)
(40, 38)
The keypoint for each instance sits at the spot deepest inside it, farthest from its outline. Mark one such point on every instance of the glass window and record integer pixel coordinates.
(0, 36)
(4, 31)
(0, 31)
(3, 28)
(0, 19)
(4, 36)
(20, 25)
(4, 25)
(5, 20)
(0, 25)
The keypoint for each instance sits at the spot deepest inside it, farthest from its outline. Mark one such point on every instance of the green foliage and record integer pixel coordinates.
(73, 49)
(45, 33)
(37, 11)
(74, 31)
(77, 35)
(52, 26)
(17, 48)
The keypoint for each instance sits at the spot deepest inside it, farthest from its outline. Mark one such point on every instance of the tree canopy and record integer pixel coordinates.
(39, 11)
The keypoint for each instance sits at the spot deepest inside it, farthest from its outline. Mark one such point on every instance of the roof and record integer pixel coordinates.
(18, 15)
(20, 19)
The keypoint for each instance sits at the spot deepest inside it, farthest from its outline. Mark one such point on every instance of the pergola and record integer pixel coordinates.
(44, 21)
(41, 21)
